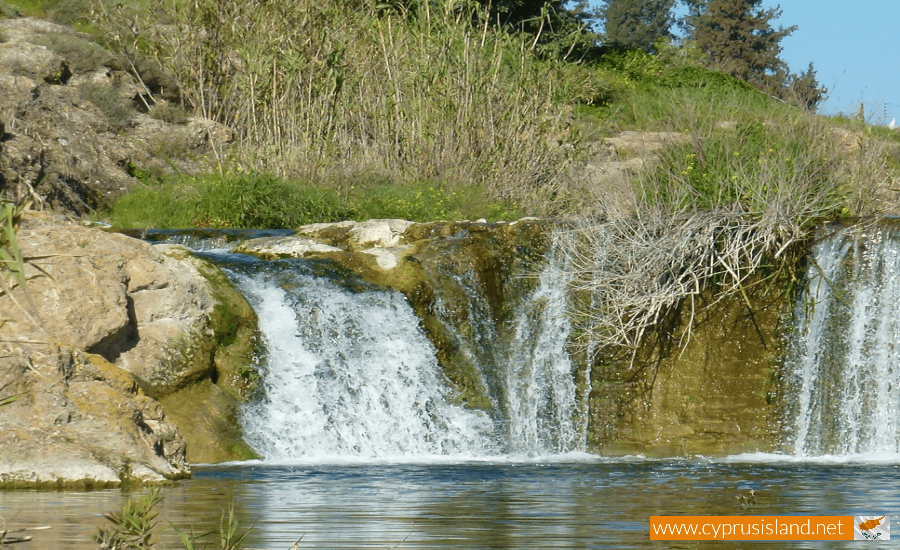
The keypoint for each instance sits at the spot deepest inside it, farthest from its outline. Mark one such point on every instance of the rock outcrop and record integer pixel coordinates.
(110, 326)
(75, 126)
(604, 179)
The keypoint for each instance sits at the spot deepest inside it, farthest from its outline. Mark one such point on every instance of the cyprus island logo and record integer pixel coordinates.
(871, 528)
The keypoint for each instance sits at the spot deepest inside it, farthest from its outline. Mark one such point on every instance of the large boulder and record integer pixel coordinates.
(109, 326)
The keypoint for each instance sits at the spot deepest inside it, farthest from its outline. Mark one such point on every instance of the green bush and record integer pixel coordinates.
(167, 112)
(118, 109)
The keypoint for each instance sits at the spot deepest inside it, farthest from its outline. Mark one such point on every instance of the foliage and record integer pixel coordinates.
(323, 89)
(554, 30)
(109, 100)
(230, 537)
(13, 264)
(427, 201)
(731, 206)
(64, 12)
(804, 89)
(83, 55)
(134, 527)
(737, 37)
(637, 24)
(262, 201)
(167, 112)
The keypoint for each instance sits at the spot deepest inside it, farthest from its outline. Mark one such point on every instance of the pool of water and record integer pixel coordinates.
(584, 503)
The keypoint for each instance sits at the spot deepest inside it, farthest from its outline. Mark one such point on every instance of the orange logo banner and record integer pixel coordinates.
(752, 527)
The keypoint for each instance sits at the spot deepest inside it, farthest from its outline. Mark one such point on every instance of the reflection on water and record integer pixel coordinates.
(586, 504)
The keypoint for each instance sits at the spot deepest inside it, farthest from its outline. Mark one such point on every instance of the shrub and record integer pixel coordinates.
(118, 110)
(134, 527)
(167, 112)
(81, 54)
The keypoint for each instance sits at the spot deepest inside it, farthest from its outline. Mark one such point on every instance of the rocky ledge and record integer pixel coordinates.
(123, 362)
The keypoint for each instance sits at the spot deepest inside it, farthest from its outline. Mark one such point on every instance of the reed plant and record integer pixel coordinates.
(135, 527)
(321, 90)
(14, 265)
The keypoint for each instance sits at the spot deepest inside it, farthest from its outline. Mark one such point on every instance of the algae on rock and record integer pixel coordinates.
(716, 395)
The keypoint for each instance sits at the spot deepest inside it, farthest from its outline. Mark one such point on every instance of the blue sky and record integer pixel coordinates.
(855, 47)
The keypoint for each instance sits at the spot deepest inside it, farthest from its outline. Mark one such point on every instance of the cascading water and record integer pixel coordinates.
(844, 358)
(348, 372)
(523, 362)
(540, 382)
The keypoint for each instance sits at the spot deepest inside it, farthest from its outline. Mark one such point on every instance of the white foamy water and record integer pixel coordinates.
(350, 374)
(843, 362)
(540, 376)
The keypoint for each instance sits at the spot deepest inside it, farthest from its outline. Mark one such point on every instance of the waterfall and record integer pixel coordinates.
(349, 373)
(843, 360)
(540, 382)
(519, 348)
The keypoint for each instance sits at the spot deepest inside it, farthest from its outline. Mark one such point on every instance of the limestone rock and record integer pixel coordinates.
(615, 161)
(81, 421)
(387, 258)
(110, 324)
(378, 233)
(280, 247)
(124, 299)
(380, 240)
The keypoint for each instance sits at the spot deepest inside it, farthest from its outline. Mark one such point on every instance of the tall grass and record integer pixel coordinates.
(325, 89)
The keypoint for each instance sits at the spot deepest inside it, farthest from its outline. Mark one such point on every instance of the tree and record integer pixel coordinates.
(737, 38)
(559, 30)
(804, 89)
(637, 23)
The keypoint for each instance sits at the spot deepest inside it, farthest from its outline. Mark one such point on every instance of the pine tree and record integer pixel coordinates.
(738, 39)
(804, 89)
(637, 23)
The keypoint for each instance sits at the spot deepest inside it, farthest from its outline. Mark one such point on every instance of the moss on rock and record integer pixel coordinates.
(716, 396)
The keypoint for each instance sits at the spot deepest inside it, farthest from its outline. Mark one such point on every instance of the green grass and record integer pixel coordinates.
(261, 201)
(75, 13)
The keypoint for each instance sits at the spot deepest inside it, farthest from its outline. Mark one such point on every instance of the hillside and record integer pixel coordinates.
(272, 121)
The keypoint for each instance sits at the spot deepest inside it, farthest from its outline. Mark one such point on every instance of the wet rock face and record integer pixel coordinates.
(110, 325)
(73, 126)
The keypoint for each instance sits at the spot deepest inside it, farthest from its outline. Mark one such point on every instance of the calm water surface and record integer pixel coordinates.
(505, 505)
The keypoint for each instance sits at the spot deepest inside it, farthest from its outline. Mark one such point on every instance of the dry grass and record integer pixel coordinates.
(732, 208)
(321, 90)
